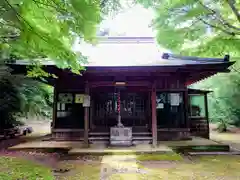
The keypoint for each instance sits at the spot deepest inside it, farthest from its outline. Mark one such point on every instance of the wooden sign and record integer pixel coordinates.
(79, 98)
(86, 101)
(65, 98)
(175, 99)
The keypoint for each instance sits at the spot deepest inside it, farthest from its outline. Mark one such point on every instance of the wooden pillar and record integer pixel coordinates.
(54, 110)
(91, 115)
(149, 110)
(206, 113)
(186, 109)
(154, 115)
(86, 118)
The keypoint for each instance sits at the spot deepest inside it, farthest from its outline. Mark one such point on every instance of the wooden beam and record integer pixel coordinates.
(86, 118)
(154, 115)
(112, 83)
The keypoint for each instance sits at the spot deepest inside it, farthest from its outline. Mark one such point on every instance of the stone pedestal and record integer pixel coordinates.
(121, 136)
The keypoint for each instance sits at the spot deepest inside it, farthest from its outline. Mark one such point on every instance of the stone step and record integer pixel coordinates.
(98, 133)
(98, 138)
(134, 138)
(213, 153)
(107, 133)
(204, 148)
(142, 138)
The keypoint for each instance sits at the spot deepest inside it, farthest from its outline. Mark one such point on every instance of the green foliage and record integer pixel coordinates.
(17, 168)
(37, 29)
(209, 29)
(21, 96)
(43, 28)
(194, 27)
(224, 101)
(222, 127)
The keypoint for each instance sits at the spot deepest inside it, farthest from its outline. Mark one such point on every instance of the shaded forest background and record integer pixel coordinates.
(33, 29)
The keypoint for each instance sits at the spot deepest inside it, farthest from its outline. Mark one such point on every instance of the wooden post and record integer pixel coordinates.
(206, 112)
(54, 112)
(186, 109)
(86, 118)
(149, 109)
(91, 115)
(154, 115)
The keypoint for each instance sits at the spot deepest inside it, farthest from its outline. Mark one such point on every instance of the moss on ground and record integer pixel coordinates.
(160, 157)
(77, 170)
(201, 168)
(13, 168)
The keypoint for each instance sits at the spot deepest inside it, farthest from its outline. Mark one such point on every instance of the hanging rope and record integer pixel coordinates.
(119, 102)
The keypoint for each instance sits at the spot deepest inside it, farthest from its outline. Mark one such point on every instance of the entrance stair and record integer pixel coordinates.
(139, 136)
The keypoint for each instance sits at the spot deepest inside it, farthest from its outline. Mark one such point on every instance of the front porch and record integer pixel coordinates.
(162, 147)
(165, 121)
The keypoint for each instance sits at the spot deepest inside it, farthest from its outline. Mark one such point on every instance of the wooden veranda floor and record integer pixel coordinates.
(75, 147)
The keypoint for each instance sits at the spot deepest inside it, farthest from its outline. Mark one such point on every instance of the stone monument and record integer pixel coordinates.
(120, 135)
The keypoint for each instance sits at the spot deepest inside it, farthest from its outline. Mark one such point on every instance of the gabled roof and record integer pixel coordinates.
(131, 52)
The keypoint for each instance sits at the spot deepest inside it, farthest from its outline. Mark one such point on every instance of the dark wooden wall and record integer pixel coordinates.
(166, 83)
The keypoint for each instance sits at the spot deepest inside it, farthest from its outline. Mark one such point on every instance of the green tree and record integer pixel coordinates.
(38, 29)
(204, 28)
(212, 26)
(42, 28)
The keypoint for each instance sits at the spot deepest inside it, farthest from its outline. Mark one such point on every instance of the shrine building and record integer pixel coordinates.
(130, 85)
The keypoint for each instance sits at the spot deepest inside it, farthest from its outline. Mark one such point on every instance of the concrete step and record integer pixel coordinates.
(142, 138)
(204, 148)
(98, 138)
(134, 138)
(107, 133)
(98, 133)
(213, 153)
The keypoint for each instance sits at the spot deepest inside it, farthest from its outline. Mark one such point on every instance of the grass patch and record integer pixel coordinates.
(13, 168)
(202, 168)
(79, 170)
(160, 157)
(206, 167)
(206, 148)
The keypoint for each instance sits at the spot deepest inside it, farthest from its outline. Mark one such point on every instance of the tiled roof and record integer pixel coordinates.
(130, 51)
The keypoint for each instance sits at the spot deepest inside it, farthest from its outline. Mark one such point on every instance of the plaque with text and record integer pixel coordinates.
(121, 136)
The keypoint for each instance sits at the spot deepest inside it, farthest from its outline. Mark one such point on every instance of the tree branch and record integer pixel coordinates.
(217, 27)
(52, 6)
(232, 3)
(219, 17)
(212, 25)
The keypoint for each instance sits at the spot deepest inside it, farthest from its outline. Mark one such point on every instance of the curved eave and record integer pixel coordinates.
(198, 74)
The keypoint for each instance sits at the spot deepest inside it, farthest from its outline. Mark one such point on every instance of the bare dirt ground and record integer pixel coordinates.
(40, 129)
(91, 167)
(231, 137)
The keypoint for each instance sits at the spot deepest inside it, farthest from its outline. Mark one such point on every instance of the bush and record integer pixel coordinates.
(222, 127)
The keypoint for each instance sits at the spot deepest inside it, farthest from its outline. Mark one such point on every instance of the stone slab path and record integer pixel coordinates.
(124, 166)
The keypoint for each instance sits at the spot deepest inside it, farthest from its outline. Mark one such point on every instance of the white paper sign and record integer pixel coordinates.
(58, 106)
(160, 106)
(86, 101)
(63, 107)
(175, 99)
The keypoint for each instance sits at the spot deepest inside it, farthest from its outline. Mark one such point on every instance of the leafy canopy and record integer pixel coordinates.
(205, 28)
(37, 29)
(198, 27)
(48, 28)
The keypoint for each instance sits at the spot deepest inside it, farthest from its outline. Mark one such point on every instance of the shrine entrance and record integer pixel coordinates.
(134, 107)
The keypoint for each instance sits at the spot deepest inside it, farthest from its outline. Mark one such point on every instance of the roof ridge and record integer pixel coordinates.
(226, 58)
